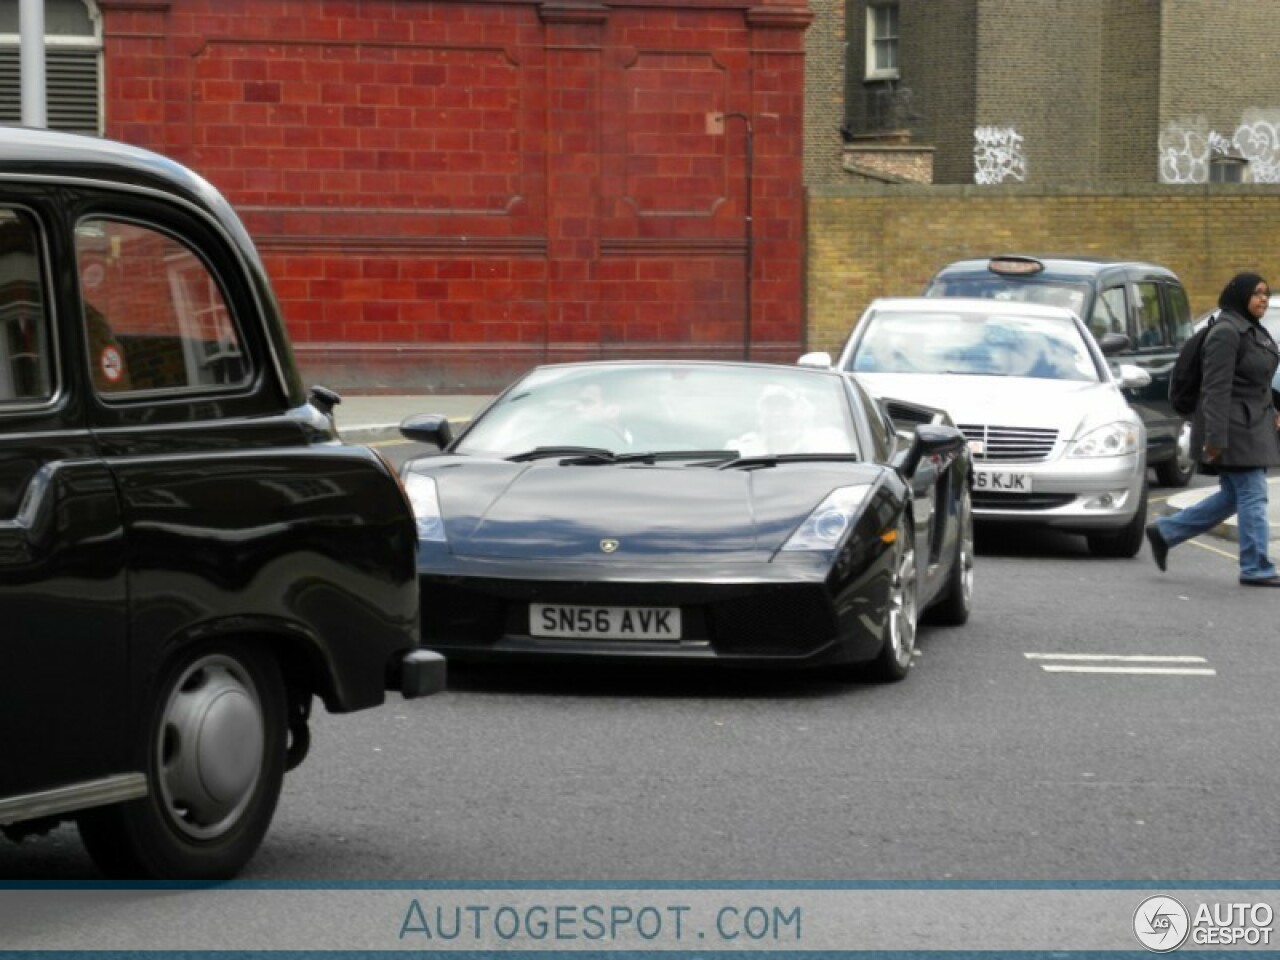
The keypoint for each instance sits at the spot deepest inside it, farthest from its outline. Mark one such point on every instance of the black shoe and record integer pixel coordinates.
(1159, 549)
(1260, 581)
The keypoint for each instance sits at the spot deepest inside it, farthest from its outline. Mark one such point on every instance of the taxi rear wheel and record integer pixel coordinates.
(214, 755)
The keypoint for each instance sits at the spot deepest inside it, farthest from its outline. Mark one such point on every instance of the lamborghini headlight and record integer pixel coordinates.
(1112, 440)
(426, 506)
(825, 528)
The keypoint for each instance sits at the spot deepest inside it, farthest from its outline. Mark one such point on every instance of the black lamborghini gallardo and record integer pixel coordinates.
(744, 513)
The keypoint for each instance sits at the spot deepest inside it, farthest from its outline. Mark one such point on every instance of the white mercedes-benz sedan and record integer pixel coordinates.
(1054, 441)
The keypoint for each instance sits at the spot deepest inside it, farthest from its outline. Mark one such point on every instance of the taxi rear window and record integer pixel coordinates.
(1033, 288)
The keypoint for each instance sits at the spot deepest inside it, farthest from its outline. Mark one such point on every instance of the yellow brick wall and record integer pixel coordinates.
(883, 241)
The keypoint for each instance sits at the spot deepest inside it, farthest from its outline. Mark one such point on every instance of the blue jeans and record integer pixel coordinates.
(1240, 492)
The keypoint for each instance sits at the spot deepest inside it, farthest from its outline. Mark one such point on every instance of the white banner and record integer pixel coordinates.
(684, 918)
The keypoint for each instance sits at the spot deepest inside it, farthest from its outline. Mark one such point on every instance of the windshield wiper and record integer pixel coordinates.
(773, 459)
(594, 454)
(654, 456)
(588, 456)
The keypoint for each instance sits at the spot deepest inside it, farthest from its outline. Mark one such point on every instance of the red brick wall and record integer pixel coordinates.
(447, 192)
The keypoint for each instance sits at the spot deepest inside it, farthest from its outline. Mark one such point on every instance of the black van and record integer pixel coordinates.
(1145, 302)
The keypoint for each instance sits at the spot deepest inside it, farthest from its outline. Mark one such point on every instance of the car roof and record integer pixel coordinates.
(1061, 265)
(768, 368)
(967, 305)
(28, 153)
(31, 155)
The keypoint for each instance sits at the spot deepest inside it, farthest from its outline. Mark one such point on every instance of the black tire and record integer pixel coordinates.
(214, 755)
(952, 610)
(894, 660)
(1178, 471)
(1128, 540)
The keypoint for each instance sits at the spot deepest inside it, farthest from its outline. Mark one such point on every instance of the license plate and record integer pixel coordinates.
(604, 623)
(1001, 481)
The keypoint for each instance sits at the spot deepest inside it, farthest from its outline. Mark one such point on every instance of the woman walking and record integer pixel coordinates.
(1233, 432)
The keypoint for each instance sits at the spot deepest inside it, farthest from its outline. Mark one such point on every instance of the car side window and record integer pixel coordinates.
(1108, 314)
(1151, 327)
(1179, 312)
(155, 317)
(26, 353)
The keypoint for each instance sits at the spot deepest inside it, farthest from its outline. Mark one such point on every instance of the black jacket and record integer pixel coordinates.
(1236, 412)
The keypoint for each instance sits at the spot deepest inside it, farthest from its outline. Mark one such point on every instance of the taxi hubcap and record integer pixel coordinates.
(211, 746)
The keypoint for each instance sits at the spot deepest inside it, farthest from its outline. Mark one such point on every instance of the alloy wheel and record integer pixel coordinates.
(903, 612)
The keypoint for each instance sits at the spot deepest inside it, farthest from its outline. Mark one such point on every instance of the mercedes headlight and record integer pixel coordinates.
(825, 528)
(1112, 440)
(425, 501)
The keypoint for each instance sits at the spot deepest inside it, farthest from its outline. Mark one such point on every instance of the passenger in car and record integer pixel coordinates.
(599, 419)
(787, 423)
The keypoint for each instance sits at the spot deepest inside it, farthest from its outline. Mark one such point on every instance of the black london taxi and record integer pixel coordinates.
(189, 552)
(1144, 303)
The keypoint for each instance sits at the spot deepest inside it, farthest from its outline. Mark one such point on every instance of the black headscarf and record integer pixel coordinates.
(1236, 294)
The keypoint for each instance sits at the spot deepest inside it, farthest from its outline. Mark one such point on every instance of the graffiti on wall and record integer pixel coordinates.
(1188, 146)
(997, 155)
(1258, 141)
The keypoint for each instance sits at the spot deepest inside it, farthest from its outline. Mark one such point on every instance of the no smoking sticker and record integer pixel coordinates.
(112, 364)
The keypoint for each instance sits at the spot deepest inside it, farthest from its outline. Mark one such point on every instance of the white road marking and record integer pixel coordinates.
(1147, 664)
(1157, 671)
(1134, 658)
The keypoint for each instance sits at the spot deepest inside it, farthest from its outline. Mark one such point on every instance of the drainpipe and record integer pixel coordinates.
(749, 162)
(31, 55)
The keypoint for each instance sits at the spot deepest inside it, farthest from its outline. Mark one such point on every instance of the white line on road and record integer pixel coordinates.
(1157, 671)
(1116, 663)
(1134, 658)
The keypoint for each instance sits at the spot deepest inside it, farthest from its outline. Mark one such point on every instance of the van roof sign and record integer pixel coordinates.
(1014, 265)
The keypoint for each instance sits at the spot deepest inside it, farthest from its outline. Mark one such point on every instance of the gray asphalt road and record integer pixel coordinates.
(990, 762)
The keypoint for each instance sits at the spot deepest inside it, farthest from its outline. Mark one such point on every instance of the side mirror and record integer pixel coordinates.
(432, 428)
(1114, 343)
(324, 399)
(931, 439)
(1130, 377)
(819, 358)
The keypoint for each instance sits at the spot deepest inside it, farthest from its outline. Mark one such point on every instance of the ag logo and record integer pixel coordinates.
(609, 545)
(1161, 924)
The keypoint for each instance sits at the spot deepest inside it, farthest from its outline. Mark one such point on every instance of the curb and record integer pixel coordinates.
(370, 432)
(376, 418)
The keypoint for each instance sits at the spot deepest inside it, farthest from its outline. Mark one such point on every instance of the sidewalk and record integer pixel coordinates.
(1228, 530)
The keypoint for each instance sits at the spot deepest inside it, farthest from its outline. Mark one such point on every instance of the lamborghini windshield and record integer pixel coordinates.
(706, 411)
